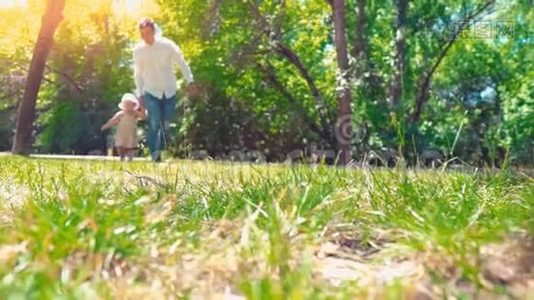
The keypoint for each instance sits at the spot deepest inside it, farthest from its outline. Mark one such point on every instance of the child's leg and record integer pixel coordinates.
(122, 152)
(131, 154)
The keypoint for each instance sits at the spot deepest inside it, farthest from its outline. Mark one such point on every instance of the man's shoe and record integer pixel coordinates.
(156, 157)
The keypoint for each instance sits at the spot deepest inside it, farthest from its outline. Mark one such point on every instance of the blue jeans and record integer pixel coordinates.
(160, 114)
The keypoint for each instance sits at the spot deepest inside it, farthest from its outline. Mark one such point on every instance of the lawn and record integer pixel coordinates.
(210, 230)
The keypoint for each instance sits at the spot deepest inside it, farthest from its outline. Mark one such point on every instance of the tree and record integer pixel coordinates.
(423, 93)
(344, 130)
(400, 53)
(26, 114)
(420, 77)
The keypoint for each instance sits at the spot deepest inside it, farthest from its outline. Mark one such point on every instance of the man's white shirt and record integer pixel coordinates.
(153, 68)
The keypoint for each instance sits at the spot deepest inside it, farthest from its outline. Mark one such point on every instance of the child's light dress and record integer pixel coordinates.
(126, 135)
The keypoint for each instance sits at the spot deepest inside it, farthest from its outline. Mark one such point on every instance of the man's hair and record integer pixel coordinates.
(147, 22)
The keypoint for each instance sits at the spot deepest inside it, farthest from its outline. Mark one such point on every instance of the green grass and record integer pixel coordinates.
(86, 230)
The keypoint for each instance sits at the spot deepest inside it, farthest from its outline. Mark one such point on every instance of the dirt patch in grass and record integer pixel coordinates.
(505, 269)
(510, 264)
(373, 261)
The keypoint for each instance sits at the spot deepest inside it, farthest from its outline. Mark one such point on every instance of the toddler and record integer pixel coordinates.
(126, 119)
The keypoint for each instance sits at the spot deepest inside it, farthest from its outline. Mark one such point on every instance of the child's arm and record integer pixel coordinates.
(111, 122)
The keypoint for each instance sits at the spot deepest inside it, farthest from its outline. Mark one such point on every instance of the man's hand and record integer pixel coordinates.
(141, 101)
(192, 90)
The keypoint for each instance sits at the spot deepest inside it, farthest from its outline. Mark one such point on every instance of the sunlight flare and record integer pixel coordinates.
(12, 3)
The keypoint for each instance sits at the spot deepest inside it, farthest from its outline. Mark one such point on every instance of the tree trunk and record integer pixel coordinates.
(395, 91)
(26, 113)
(343, 126)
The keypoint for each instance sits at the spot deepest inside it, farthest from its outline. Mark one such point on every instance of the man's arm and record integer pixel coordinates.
(138, 76)
(178, 58)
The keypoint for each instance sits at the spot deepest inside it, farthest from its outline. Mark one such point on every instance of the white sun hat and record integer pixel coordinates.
(128, 97)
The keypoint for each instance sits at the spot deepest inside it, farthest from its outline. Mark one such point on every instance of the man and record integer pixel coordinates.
(154, 58)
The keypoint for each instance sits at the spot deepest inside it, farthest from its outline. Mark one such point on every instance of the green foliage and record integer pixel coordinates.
(268, 71)
(62, 121)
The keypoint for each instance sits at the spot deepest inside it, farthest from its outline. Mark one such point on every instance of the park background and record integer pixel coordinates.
(452, 79)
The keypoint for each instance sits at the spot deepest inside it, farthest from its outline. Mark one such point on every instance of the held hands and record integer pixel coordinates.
(140, 112)
(141, 101)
